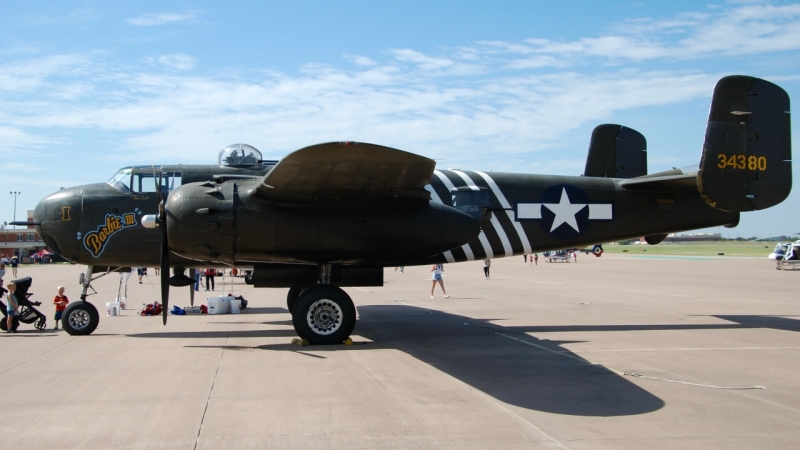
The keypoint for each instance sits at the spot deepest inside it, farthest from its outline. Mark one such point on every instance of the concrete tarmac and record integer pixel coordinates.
(617, 352)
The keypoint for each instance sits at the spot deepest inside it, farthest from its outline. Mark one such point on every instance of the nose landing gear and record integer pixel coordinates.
(81, 318)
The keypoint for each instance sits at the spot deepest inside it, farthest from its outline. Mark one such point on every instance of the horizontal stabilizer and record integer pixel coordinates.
(677, 183)
(348, 172)
(746, 163)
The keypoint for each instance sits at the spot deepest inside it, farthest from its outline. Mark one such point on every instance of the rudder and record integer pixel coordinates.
(746, 163)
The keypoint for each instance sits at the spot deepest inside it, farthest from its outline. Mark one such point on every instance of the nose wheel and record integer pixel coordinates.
(324, 315)
(80, 318)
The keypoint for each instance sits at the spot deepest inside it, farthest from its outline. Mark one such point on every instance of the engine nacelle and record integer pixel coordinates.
(224, 222)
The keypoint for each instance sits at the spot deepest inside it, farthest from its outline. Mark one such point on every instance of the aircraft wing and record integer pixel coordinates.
(348, 172)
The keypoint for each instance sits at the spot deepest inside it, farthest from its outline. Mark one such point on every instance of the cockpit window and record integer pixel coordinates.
(239, 155)
(145, 178)
(121, 179)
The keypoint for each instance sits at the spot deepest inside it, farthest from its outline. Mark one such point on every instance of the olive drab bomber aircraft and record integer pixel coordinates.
(334, 215)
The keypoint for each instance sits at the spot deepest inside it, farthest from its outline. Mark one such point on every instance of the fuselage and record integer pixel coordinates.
(100, 224)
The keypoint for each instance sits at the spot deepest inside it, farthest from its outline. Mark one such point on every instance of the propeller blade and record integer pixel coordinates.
(192, 275)
(162, 225)
(164, 273)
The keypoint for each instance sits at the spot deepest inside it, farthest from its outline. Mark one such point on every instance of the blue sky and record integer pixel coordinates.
(89, 87)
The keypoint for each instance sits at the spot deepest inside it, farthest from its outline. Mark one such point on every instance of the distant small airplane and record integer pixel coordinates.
(335, 214)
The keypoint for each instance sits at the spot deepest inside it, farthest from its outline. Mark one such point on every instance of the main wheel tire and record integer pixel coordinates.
(291, 297)
(324, 315)
(80, 318)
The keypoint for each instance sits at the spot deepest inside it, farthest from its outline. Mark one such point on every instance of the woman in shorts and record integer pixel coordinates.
(436, 271)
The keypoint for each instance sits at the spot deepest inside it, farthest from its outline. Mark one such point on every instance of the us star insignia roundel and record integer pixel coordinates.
(564, 211)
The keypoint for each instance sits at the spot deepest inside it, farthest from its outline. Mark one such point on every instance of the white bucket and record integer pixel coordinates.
(219, 305)
(122, 302)
(112, 309)
(236, 306)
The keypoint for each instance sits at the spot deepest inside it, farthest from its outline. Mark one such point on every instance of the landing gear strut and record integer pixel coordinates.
(81, 318)
(322, 314)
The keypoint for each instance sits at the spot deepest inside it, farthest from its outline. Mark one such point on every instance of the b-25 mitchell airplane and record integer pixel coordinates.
(334, 215)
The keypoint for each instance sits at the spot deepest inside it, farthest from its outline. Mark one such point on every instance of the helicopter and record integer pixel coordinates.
(334, 215)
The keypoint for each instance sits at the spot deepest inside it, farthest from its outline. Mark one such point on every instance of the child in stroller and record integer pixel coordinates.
(27, 312)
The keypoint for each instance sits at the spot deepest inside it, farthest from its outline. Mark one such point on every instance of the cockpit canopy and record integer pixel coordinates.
(143, 179)
(239, 155)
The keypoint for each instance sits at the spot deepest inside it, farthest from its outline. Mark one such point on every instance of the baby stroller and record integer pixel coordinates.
(26, 311)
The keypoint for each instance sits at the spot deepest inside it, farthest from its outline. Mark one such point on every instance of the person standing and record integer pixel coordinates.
(140, 271)
(536, 258)
(525, 258)
(60, 301)
(437, 270)
(487, 263)
(11, 307)
(197, 281)
(14, 264)
(2, 271)
(210, 274)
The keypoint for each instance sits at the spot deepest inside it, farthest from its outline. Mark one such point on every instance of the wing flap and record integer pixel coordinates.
(348, 172)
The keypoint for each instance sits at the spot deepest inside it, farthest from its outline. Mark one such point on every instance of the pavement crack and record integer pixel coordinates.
(211, 391)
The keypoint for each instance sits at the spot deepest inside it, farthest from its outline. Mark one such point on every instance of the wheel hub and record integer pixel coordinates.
(79, 319)
(324, 317)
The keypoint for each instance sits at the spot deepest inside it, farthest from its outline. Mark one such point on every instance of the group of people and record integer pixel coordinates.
(534, 258)
(13, 303)
(209, 274)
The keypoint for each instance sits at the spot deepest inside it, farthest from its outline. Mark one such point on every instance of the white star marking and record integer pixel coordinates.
(564, 211)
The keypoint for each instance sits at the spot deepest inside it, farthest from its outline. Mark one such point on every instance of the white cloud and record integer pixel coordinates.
(743, 30)
(153, 19)
(495, 95)
(177, 61)
(360, 60)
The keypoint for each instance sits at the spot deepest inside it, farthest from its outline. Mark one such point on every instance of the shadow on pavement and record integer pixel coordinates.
(512, 372)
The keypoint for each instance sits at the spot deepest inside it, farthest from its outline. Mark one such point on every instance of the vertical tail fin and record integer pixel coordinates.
(746, 163)
(616, 152)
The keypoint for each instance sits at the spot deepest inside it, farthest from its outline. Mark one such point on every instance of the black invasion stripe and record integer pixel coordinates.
(477, 249)
(493, 238)
(458, 254)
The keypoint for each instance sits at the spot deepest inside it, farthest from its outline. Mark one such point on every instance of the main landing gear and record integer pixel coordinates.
(322, 314)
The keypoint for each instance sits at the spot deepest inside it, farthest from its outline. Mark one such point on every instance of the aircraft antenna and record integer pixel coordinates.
(498, 160)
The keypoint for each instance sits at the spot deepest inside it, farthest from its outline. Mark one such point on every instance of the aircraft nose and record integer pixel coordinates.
(58, 217)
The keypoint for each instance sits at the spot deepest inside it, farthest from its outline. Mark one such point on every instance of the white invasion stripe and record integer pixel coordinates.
(600, 211)
(526, 245)
(449, 256)
(487, 248)
(498, 227)
(529, 210)
(467, 180)
(434, 195)
(468, 252)
(466, 247)
(447, 183)
(496, 190)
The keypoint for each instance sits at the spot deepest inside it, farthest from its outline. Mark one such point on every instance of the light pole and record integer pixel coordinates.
(15, 194)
